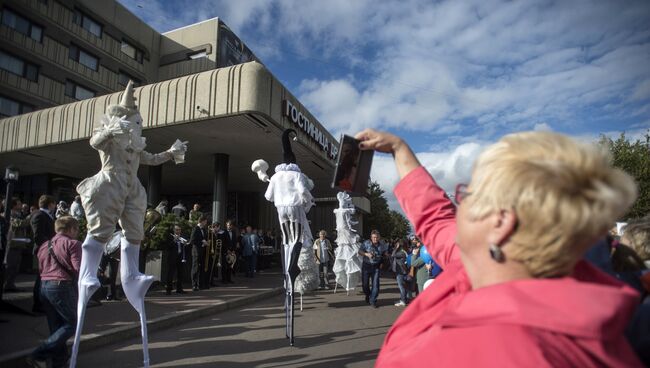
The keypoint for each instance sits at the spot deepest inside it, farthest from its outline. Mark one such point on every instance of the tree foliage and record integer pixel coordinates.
(633, 158)
(389, 223)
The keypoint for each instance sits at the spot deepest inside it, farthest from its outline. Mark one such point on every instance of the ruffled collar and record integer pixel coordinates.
(287, 167)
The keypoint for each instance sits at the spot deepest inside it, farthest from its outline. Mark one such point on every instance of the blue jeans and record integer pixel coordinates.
(60, 303)
(404, 288)
(368, 272)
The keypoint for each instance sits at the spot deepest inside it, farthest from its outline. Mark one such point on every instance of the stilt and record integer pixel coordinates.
(301, 302)
(91, 255)
(145, 338)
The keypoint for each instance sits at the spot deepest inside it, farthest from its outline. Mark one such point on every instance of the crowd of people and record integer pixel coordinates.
(510, 267)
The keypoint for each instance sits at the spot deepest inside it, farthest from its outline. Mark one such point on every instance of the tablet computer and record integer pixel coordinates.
(352, 171)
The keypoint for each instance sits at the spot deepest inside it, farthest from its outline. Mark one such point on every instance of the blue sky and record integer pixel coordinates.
(449, 76)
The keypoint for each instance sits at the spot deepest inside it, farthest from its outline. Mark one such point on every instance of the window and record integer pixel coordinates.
(132, 51)
(83, 57)
(87, 23)
(18, 66)
(125, 77)
(22, 25)
(9, 107)
(76, 91)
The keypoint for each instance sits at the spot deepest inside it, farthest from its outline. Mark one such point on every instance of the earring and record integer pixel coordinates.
(496, 253)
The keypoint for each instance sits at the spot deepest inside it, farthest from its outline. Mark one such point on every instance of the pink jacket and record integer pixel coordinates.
(573, 321)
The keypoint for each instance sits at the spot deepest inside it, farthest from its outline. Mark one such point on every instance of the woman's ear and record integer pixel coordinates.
(504, 225)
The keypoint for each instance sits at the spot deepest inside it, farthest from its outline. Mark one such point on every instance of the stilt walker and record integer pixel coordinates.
(289, 189)
(347, 262)
(115, 195)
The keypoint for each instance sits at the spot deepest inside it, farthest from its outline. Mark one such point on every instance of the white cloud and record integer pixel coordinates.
(447, 168)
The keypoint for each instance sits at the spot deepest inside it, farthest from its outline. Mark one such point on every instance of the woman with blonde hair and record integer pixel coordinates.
(515, 292)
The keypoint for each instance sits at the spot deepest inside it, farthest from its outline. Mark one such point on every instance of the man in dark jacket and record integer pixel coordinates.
(199, 241)
(230, 242)
(43, 230)
(176, 260)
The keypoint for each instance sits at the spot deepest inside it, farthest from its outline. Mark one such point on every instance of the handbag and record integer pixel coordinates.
(70, 273)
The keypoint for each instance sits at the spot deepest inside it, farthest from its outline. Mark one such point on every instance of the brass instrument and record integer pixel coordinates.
(184, 243)
(151, 219)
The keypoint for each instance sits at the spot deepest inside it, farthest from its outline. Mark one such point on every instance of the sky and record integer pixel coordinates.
(450, 77)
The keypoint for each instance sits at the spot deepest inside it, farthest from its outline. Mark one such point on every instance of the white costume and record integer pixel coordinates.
(115, 194)
(347, 263)
(289, 189)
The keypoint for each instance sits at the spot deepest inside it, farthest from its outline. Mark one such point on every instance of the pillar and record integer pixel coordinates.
(220, 188)
(153, 185)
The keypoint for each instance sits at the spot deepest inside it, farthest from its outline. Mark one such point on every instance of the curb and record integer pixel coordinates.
(107, 337)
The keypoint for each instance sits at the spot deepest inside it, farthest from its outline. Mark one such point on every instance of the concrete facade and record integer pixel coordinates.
(187, 91)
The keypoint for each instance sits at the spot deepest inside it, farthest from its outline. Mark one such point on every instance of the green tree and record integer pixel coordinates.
(389, 223)
(633, 158)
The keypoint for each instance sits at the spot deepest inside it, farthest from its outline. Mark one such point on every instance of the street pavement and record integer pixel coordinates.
(332, 330)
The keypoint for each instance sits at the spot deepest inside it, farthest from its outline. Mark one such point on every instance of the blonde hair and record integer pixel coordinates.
(637, 232)
(564, 195)
(66, 224)
(322, 232)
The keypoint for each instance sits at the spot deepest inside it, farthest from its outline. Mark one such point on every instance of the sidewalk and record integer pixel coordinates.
(117, 320)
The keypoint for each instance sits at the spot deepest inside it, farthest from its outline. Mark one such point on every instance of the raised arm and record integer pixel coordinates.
(426, 205)
(154, 159)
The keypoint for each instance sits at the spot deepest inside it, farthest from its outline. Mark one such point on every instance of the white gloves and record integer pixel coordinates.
(178, 150)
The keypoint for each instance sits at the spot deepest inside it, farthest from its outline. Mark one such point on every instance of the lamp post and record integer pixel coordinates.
(11, 177)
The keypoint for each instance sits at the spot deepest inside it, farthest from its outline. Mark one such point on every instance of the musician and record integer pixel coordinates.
(217, 236)
(230, 244)
(199, 241)
(177, 251)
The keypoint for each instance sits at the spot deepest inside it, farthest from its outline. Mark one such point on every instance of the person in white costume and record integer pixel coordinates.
(115, 195)
(289, 189)
(347, 262)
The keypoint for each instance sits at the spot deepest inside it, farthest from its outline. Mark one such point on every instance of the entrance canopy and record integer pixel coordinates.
(240, 111)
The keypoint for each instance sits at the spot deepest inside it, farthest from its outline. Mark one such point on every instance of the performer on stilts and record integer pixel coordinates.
(289, 189)
(115, 194)
(347, 262)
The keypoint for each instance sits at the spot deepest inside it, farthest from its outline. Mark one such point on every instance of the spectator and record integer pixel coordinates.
(323, 252)
(19, 234)
(199, 240)
(373, 252)
(250, 243)
(176, 260)
(399, 267)
(179, 210)
(59, 260)
(62, 209)
(162, 207)
(76, 209)
(195, 213)
(228, 252)
(514, 280)
(42, 222)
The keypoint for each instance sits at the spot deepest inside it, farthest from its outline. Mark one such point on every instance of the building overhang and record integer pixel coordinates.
(239, 111)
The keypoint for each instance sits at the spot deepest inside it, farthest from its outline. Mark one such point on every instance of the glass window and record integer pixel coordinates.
(9, 107)
(22, 24)
(83, 57)
(31, 72)
(36, 33)
(17, 66)
(81, 93)
(132, 52)
(11, 64)
(87, 23)
(76, 91)
(125, 77)
(88, 60)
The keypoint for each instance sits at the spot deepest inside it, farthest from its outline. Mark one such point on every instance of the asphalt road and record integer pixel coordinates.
(333, 330)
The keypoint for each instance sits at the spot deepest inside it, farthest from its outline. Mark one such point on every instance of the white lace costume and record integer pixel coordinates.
(347, 263)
